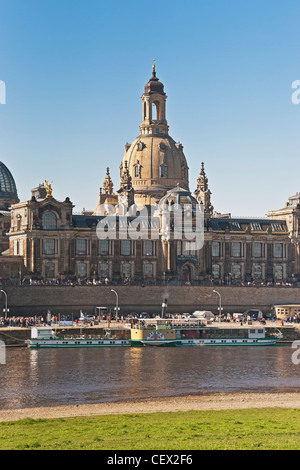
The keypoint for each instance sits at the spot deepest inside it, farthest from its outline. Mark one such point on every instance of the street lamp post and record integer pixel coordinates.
(5, 303)
(220, 303)
(117, 303)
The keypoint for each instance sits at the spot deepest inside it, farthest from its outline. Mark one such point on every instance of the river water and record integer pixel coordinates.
(53, 377)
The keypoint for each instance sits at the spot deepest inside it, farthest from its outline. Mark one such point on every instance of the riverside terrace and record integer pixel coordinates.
(26, 300)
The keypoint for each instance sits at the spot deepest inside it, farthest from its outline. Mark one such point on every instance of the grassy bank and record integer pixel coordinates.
(266, 428)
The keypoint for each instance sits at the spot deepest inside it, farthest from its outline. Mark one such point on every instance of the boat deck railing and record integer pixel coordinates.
(159, 324)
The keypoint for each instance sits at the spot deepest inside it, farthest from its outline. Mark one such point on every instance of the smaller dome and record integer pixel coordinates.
(8, 187)
(178, 197)
(154, 85)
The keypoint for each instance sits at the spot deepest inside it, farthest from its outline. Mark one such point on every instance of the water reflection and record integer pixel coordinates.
(70, 376)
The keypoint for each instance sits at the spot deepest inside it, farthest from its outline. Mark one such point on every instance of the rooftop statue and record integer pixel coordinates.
(48, 189)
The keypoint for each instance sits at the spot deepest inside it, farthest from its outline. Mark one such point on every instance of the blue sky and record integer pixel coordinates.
(75, 71)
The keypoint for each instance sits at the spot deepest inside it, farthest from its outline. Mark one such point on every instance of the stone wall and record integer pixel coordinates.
(36, 300)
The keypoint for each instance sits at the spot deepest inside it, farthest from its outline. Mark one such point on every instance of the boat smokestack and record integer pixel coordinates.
(164, 307)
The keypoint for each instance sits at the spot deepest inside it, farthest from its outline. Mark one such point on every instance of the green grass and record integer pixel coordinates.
(256, 429)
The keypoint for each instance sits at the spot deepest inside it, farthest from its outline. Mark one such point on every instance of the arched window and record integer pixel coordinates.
(19, 221)
(155, 111)
(49, 221)
(137, 170)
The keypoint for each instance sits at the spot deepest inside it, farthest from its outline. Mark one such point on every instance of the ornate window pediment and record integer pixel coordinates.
(140, 146)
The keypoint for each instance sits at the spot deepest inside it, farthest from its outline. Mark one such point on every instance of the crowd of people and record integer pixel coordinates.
(22, 322)
(31, 321)
(142, 282)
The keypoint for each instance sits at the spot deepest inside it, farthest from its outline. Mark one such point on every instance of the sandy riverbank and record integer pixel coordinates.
(218, 401)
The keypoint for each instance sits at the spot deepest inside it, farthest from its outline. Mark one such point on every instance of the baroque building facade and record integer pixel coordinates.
(131, 234)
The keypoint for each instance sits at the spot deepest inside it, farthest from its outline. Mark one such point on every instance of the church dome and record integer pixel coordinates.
(7, 183)
(156, 164)
(8, 189)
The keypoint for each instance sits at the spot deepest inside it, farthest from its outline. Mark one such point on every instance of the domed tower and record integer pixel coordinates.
(8, 189)
(156, 162)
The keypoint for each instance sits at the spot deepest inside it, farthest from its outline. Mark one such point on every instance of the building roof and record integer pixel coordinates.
(254, 225)
(83, 221)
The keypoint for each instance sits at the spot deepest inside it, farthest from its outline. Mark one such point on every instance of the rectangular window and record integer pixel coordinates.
(103, 247)
(163, 171)
(215, 249)
(81, 247)
(126, 269)
(148, 248)
(14, 271)
(125, 247)
(49, 270)
(148, 269)
(216, 271)
(257, 271)
(257, 250)
(104, 270)
(278, 272)
(82, 269)
(278, 250)
(236, 250)
(236, 271)
(48, 246)
(188, 248)
(16, 247)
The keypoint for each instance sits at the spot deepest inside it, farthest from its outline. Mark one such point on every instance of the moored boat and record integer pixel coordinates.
(164, 332)
(47, 338)
(159, 332)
